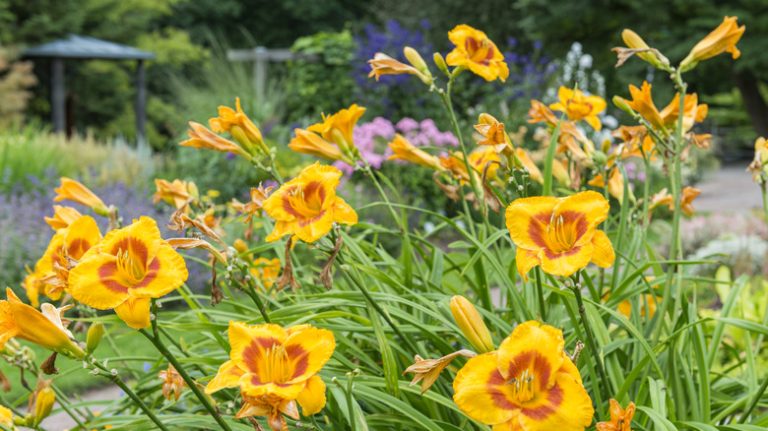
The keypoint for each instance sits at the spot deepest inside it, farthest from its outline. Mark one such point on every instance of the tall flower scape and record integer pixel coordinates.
(546, 308)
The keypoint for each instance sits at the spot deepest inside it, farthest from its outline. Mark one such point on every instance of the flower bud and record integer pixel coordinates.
(416, 61)
(440, 62)
(94, 336)
(634, 41)
(240, 246)
(44, 402)
(622, 104)
(471, 324)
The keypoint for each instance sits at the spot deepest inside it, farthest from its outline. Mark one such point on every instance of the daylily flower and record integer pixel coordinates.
(45, 398)
(403, 149)
(75, 191)
(240, 127)
(126, 270)
(173, 384)
(560, 234)
(266, 270)
(306, 142)
(621, 419)
(471, 324)
(483, 160)
(307, 206)
(689, 195)
(62, 217)
(201, 137)
(661, 198)
(382, 64)
(19, 320)
(636, 142)
(477, 53)
(759, 165)
(528, 384)
(255, 205)
(427, 371)
(338, 127)
(274, 366)
(177, 192)
(693, 112)
(647, 306)
(540, 113)
(6, 417)
(578, 106)
(66, 248)
(722, 39)
(637, 45)
(491, 130)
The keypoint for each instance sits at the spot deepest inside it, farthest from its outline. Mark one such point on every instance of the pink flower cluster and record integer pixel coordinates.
(371, 138)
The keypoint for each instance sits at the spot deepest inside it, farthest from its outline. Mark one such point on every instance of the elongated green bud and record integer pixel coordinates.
(94, 336)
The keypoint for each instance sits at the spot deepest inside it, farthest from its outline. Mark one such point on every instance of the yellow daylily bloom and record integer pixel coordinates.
(266, 270)
(75, 191)
(173, 383)
(528, 384)
(240, 127)
(722, 39)
(621, 419)
(491, 130)
(693, 112)
(338, 127)
(759, 165)
(636, 142)
(19, 320)
(307, 206)
(483, 160)
(560, 234)
(306, 142)
(44, 401)
(382, 64)
(177, 192)
(274, 366)
(66, 248)
(578, 106)
(126, 270)
(471, 324)
(403, 149)
(201, 137)
(476, 52)
(255, 205)
(62, 217)
(647, 306)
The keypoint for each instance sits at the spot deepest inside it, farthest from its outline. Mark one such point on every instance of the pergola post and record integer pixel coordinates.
(141, 102)
(58, 94)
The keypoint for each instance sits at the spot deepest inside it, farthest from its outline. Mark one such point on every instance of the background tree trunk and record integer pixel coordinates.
(757, 109)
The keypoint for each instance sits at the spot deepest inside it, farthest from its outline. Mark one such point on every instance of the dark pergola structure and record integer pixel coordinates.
(76, 47)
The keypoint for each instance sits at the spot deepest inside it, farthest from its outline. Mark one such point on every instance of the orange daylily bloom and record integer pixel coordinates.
(621, 419)
(689, 195)
(255, 205)
(483, 160)
(636, 142)
(647, 306)
(275, 366)
(307, 206)
(239, 126)
(403, 149)
(62, 217)
(75, 191)
(661, 198)
(578, 106)
(560, 234)
(491, 130)
(19, 320)
(722, 39)
(177, 192)
(201, 137)
(477, 53)
(126, 270)
(266, 271)
(306, 142)
(528, 384)
(642, 103)
(173, 384)
(693, 112)
(540, 113)
(66, 248)
(382, 64)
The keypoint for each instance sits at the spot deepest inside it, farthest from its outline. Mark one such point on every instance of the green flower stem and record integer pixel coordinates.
(114, 378)
(764, 189)
(591, 342)
(187, 379)
(540, 294)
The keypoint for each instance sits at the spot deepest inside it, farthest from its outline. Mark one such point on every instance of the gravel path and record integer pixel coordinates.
(728, 190)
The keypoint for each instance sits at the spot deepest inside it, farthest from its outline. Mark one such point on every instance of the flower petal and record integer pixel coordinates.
(567, 407)
(312, 398)
(248, 343)
(602, 254)
(589, 206)
(228, 376)
(166, 272)
(308, 351)
(90, 284)
(535, 346)
(526, 260)
(567, 263)
(527, 218)
(343, 213)
(134, 312)
(480, 391)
